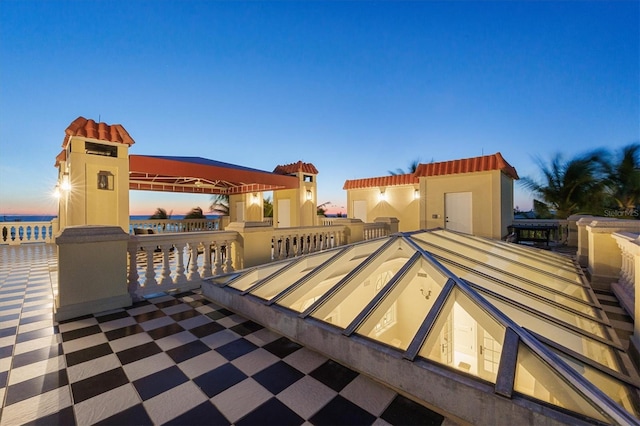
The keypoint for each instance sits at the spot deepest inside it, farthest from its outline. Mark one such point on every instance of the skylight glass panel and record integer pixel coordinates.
(398, 316)
(358, 289)
(513, 287)
(286, 277)
(541, 259)
(524, 268)
(466, 338)
(481, 265)
(254, 276)
(619, 391)
(558, 312)
(321, 280)
(537, 379)
(589, 347)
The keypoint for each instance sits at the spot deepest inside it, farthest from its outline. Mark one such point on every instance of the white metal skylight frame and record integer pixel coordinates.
(515, 335)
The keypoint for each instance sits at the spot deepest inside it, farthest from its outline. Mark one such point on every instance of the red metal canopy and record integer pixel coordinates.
(201, 176)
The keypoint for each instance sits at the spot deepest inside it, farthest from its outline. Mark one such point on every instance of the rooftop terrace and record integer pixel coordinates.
(172, 359)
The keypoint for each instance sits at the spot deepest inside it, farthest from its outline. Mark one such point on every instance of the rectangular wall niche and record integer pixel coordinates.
(105, 180)
(100, 149)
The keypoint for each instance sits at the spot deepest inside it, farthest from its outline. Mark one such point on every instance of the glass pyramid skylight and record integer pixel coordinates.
(521, 320)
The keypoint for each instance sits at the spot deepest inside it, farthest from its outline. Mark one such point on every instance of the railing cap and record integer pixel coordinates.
(610, 225)
(91, 234)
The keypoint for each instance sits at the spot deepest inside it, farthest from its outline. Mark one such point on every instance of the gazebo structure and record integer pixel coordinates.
(96, 172)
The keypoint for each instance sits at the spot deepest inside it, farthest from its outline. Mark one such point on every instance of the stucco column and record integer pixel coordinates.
(92, 270)
(605, 258)
(253, 246)
(583, 240)
(572, 239)
(355, 229)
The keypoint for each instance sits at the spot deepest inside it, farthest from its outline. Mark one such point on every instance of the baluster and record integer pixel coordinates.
(150, 274)
(228, 264)
(312, 242)
(165, 274)
(133, 285)
(273, 247)
(206, 269)
(193, 265)
(298, 250)
(217, 260)
(282, 247)
(180, 277)
(285, 246)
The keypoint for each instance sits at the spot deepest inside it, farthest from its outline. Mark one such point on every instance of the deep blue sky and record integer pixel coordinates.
(357, 88)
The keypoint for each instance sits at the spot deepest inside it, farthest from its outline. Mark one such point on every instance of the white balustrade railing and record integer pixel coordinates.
(16, 233)
(176, 261)
(175, 225)
(325, 221)
(292, 242)
(375, 230)
(560, 235)
(625, 288)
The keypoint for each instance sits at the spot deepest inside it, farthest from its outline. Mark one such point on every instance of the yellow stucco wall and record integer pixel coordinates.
(88, 204)
(302, 212)
(253, 210)
(491, 198)
(399, 202)
(488, 205)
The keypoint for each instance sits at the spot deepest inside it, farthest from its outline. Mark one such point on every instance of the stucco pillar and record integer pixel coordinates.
(605, 258)
(355, 229)
(583, 240)
(572, 239)
(92, 271)
(253, 246)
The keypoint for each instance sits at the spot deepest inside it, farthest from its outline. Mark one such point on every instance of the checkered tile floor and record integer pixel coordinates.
(174, 359)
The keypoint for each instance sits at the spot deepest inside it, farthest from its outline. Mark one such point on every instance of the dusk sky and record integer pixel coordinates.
(357, 88)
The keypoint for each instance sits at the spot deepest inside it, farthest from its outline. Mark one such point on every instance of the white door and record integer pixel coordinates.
(360, 210)
(458, 213)
(240, 211)
(284, 214)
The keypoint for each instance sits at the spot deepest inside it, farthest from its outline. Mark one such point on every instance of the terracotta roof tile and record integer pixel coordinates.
(392, 180)
(467, 165)
(288, 169)
(61, 157)
(101, 131)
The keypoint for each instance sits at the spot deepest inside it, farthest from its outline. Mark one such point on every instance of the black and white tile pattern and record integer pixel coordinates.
(173, 359)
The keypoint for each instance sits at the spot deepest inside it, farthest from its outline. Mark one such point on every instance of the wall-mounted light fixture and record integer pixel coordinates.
(382, 196)
(105, 180)
(309, 195)
(65, 183)
(416, 194)
(254, 198)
